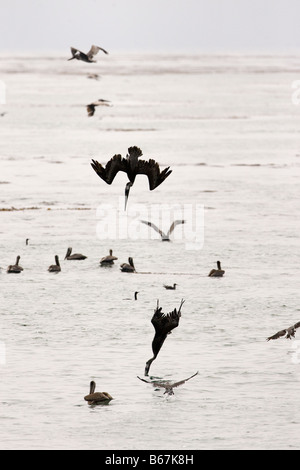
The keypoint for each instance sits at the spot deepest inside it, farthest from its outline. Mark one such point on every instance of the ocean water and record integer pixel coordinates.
(228, 127)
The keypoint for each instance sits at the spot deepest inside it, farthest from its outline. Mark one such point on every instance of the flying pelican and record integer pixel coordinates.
(163, 325)
(97, 398)
(133, 167)
(108, 260)
(167, 385)
(170, 287)
(91, 108)
(55, 268)
(15, 268)
(217, 272)
(164, 237)
(289, 332)
(76, 256)
(88, 57)
(128, 267)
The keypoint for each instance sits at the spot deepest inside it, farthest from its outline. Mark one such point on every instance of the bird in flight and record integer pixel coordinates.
(163, 325)
(217, 272)
(91, 108)
(167, 385)
(97, 398)
(289, 333)
(132, 166)
(165, 237)
(88, 57)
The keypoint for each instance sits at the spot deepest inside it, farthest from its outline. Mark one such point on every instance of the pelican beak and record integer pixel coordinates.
(127, 189)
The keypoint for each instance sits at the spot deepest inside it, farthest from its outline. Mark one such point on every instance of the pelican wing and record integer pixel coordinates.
(94, 50)
(177, 222)
(90, 109)
(82, 55)
(278, 335)
(143, 380)
(152, 170)
(74, 50)
(176, 384)
(154, 227)
(297, 325)
(116, 164)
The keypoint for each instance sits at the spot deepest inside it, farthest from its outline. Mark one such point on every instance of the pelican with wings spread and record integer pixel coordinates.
(167, 385)
(89, 56)
(289, 333)
(165, 237)
(163, 325)
(133, 167)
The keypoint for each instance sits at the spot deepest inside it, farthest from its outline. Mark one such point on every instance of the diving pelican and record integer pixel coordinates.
(128, 267)
(108, 260)
(171, 287)
(97, 398)
(88, 57)
(163, 325)
(217, 272)
(133, 167)
(15, 268)
(91, 108)
(76, 256)
(55, 268)
(289, 333)
(165, 237)
(167, 385)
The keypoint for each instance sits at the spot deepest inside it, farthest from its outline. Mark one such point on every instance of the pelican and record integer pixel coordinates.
(128, 267)
(167, 385)
(91, 108)
(15, 268)
(76, 256)
(170, 287)
(165, 237)
(133, 167)
(97, 398)
(88, 57)
(55, 268)
(108, 260)
(289, 332)
(217, 272)
(163, 325)
(27, 241)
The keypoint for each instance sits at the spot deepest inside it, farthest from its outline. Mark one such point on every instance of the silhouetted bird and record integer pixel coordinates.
(91, 108)
(217, 272)
(76, 256)
(128, 267)
(108, 260)
(55, 268)
(289, 332)
(15, 268)
(133, 167)
(88, 57)
(97, 398)
(167, 385)
(27, 241)
(165, 237)
(171, 287)
(163, 325)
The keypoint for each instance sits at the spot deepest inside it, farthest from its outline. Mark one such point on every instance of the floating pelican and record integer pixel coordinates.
(217, 272)
(27, 241)
(170, 287)
(91, 108)
(289, 332)
(164, 237)
(163, 325)
(55, 268)
(108, 260)
(128, 267)
(88, 57)
(167, 385)
(15, 268)
(133, 167)
(76, 256)
(97, 398)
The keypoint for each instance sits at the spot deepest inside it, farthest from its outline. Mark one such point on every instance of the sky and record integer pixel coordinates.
(150, 25)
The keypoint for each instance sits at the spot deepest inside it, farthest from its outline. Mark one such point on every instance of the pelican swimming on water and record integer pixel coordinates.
(88, 57)
(163, 325)
(167, 385)
(133, 167)
(171, 287)
(217, 272)
(165, 237)
(97, 398)
(55, 268)
(289, 333)
(15, 268)
(108, 260)
(76, 256)
(91, 108)
(128, 267)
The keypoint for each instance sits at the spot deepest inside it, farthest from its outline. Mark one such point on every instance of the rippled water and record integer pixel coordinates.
(229, 130)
